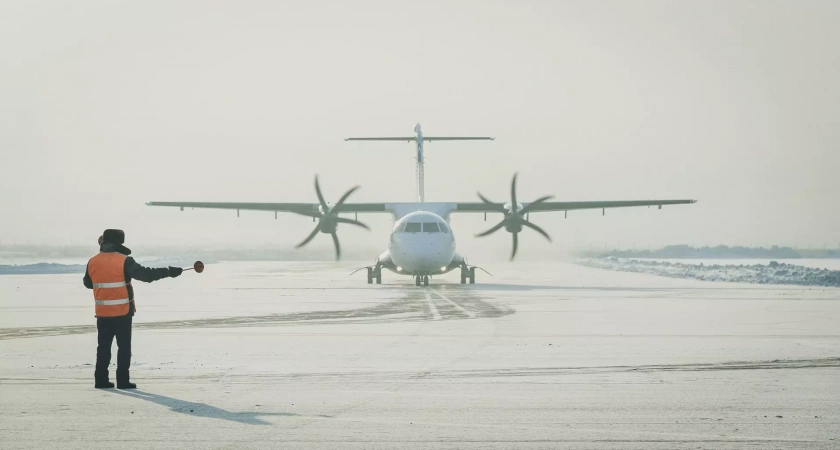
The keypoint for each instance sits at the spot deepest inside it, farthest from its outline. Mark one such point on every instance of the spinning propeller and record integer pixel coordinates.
(514, 216)
(328, 218)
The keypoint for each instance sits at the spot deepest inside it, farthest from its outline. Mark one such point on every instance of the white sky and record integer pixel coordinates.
(106, 105)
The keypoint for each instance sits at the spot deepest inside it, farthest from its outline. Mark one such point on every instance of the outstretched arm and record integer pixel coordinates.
(86, 280)
(135, 271)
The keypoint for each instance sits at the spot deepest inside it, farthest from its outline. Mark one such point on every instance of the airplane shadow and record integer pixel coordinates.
(201, 409)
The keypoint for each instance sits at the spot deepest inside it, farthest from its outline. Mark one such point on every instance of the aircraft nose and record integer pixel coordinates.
(432, 259)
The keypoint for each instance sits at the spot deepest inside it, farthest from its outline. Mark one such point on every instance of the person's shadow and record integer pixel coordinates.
(201, 409)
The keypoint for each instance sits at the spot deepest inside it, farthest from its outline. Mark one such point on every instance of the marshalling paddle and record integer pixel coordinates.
(198, 267)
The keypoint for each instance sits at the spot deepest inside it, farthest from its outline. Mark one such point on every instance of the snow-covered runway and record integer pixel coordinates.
(290, 355)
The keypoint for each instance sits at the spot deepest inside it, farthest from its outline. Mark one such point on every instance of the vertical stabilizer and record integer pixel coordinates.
(421, 183)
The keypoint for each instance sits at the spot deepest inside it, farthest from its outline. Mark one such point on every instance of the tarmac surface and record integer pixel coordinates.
(299, 355)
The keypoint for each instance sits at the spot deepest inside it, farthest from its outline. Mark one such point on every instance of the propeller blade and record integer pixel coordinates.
(492, 230)
(513, 194)
(537, 229)
(321, 196)
(494, 205)
(344, 198)
(351, 222)
(535, 203)
(310, 237)
(515, 245)
(337, 246)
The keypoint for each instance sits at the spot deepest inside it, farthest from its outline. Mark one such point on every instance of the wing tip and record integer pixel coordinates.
(692, 201)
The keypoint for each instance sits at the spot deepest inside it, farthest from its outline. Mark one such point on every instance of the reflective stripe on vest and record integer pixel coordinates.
(109, 285)
(121, 301)
(110, 291)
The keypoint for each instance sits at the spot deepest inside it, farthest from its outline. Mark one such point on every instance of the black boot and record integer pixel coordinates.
(101, 380)
(122, 381)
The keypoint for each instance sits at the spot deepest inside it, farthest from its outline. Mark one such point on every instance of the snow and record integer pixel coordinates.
(770, 273)
(52, 268)
(299, 355)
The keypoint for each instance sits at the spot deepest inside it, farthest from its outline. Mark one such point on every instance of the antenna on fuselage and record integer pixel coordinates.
(419, 139)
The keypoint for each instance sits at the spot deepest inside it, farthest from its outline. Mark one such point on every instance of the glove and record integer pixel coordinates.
(175, 271)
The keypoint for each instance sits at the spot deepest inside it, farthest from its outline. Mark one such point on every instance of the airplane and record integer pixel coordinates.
(421, 242)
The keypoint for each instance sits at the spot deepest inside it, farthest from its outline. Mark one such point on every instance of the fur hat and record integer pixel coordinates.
(117, 238)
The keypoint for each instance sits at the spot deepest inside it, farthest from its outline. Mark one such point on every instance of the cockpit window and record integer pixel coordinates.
(443, 228)
(412, 227)
(430, 227)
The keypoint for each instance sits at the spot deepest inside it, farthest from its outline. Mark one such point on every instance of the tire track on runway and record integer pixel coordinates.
(414, 305)
(432, 308)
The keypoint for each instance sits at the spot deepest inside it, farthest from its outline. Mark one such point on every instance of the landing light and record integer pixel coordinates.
(399, 269)
(443, 269)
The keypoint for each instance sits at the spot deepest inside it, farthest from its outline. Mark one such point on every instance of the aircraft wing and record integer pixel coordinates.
(306, 209)
(568, 206)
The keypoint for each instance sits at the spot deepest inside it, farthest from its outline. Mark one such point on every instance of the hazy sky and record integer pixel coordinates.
(106, 105)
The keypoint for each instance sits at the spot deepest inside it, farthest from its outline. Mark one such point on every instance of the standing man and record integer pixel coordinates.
(109, 274)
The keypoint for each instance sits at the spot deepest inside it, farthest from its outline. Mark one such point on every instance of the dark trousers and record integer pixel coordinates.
(108, 328)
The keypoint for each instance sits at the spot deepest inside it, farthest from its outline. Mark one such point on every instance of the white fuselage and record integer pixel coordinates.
(422, 244)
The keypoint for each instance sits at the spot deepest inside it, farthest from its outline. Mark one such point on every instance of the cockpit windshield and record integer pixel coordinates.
(412, 227)
(425, 227)
(431, 227)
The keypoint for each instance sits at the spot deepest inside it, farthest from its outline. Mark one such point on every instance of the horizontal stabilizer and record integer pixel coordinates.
(457, 138)
(407, 139)
(425, 138)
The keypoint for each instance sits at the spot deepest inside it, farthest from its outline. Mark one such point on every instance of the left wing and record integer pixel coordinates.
(567, 206)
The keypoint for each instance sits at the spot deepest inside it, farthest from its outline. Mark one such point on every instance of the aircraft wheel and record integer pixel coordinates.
(472, 275)
(370, 275)
(425, 281)
(417, 281)
(463, 277)
(379, 276)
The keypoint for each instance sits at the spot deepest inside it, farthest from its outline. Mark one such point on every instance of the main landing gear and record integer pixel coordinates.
(374, 273)
(467, 273)
(421, 279)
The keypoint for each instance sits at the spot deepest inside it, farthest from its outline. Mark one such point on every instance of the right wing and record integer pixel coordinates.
(305, 209)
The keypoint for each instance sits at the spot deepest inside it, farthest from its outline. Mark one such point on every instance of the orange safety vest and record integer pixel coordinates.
(110, 291)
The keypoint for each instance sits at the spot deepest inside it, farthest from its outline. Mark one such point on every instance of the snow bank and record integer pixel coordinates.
(42, 269)
(773, 273)
(55, 268)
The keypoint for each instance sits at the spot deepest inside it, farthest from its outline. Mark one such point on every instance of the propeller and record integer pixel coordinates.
(514, 219)
(328, 218)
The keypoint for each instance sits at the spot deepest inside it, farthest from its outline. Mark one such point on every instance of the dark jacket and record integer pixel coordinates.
(133, 271)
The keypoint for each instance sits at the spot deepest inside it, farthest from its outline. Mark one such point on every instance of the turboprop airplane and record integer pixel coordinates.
(421, 243)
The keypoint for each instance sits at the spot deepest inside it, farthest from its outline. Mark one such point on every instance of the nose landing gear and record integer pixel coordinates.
(421, 279)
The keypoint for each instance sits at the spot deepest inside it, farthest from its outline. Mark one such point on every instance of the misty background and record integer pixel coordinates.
(105, 105)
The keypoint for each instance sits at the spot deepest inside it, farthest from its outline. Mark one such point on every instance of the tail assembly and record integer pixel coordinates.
(419, 139)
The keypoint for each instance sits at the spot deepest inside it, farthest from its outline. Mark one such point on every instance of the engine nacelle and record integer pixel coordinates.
(508, 205)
